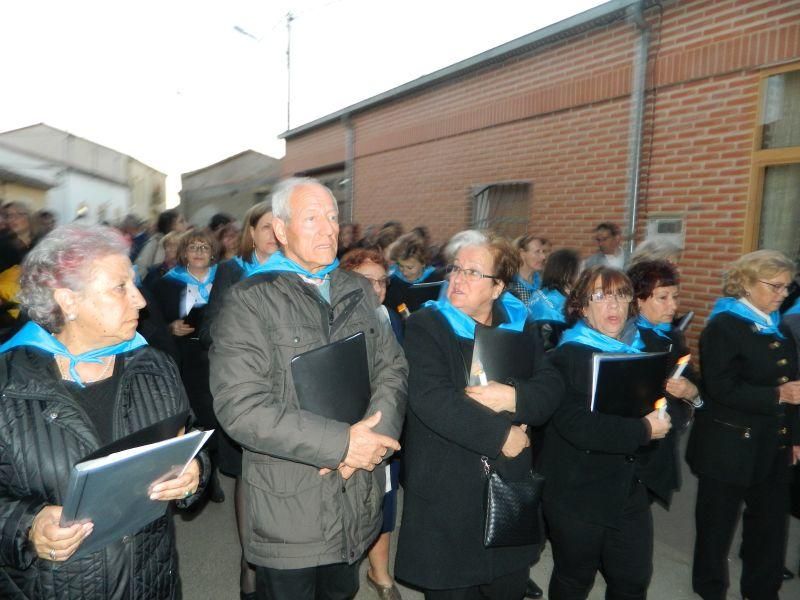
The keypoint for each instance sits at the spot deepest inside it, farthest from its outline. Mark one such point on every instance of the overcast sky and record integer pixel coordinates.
(174, 84)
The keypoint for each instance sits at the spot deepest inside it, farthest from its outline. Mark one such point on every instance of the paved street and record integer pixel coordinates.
(209, 554)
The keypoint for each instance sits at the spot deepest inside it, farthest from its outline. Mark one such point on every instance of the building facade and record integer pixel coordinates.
(93, 183)
(231, 186)
(679, 118)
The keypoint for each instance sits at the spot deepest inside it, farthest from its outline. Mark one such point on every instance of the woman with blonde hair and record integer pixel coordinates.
(743, 446)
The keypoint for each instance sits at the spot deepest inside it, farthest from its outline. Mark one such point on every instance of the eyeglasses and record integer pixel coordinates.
(620, 297)
(199, 248)
(777, 288)
(379, 282)
(469, 274)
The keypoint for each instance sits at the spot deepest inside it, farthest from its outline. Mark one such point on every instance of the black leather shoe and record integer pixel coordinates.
(787, 574)
(532, 590)
(215, 492)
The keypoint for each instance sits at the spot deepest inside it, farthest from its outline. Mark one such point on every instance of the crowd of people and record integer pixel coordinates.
(107, 330)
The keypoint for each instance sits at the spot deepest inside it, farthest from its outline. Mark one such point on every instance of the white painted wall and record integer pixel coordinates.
(102, 200)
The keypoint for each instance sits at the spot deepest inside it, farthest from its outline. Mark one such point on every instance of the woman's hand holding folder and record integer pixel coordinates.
(496, 396)
(179, 487)
(53, 542)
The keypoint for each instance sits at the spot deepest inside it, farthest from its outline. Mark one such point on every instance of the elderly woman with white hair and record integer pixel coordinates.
(73, 379)
(743, 446)
(453, 430)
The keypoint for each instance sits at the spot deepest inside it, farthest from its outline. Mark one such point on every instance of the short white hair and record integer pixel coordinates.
(468, 237)
(283, 191)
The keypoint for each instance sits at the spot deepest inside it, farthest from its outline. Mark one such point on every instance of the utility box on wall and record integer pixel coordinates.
(666, 229)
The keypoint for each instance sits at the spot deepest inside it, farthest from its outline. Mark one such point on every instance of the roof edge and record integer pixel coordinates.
(588, 19)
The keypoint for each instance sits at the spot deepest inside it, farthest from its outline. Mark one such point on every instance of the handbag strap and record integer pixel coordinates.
(487, 468)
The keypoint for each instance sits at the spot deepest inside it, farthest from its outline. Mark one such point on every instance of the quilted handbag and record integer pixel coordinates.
(512, 509)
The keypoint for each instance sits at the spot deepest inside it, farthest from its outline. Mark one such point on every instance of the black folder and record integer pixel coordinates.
(627, 385)
(502, 354)
(418, 294)
(333, 381)
(684, 322)
(195, 316)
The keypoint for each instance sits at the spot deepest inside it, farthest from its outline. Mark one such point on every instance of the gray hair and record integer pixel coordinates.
(468, 237)
(283, 192)
(62, 259)
(655, 249)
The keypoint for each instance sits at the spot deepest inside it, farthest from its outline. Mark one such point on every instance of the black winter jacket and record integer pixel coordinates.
(43, 433)
(441, 541)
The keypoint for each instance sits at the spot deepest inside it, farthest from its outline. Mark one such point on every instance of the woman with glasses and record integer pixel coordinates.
(371, 264)
(533, 251)
(182, 294)
(450, 427)
(411, 266)
(596, 508)
(743, 446)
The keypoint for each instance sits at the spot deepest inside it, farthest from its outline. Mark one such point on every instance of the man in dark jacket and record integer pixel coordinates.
(312, 489)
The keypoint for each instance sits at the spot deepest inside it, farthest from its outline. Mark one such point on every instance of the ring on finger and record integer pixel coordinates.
(52, 553)
(187, 493)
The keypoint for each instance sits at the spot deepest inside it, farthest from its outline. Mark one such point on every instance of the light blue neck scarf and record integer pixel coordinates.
(661, 329)
(183, 275)
(740, 310)
(279, 262)
(581, 333)
(547, 305)
(35, 336)
(248, 266)
(464, 326)
(426, 272)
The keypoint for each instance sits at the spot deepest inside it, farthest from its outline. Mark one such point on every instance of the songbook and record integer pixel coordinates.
(683, 323)
(195, 316)
(333, 381)
(627, 385)
(418, 294)
(499, 355)
(112, 486)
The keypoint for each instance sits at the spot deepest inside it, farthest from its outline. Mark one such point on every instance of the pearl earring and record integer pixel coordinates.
(71, 317)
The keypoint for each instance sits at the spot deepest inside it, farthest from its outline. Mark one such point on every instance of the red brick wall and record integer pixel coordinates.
(559, 118)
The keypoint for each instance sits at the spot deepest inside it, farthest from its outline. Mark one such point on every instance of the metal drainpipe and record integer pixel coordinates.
(349, 161)
(638, 83)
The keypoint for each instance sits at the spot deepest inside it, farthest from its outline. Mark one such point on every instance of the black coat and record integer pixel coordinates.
(192, 356)
(736, 439)
(441, 541)
(228, 274)
(658, 465)
(43, 433)
(589, 458)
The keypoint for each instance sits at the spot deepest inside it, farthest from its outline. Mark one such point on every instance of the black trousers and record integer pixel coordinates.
(329, 582)
(506, 587)
(764, 529)
(623, 554)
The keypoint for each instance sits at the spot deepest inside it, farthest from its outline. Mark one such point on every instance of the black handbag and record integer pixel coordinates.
(512, 509)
